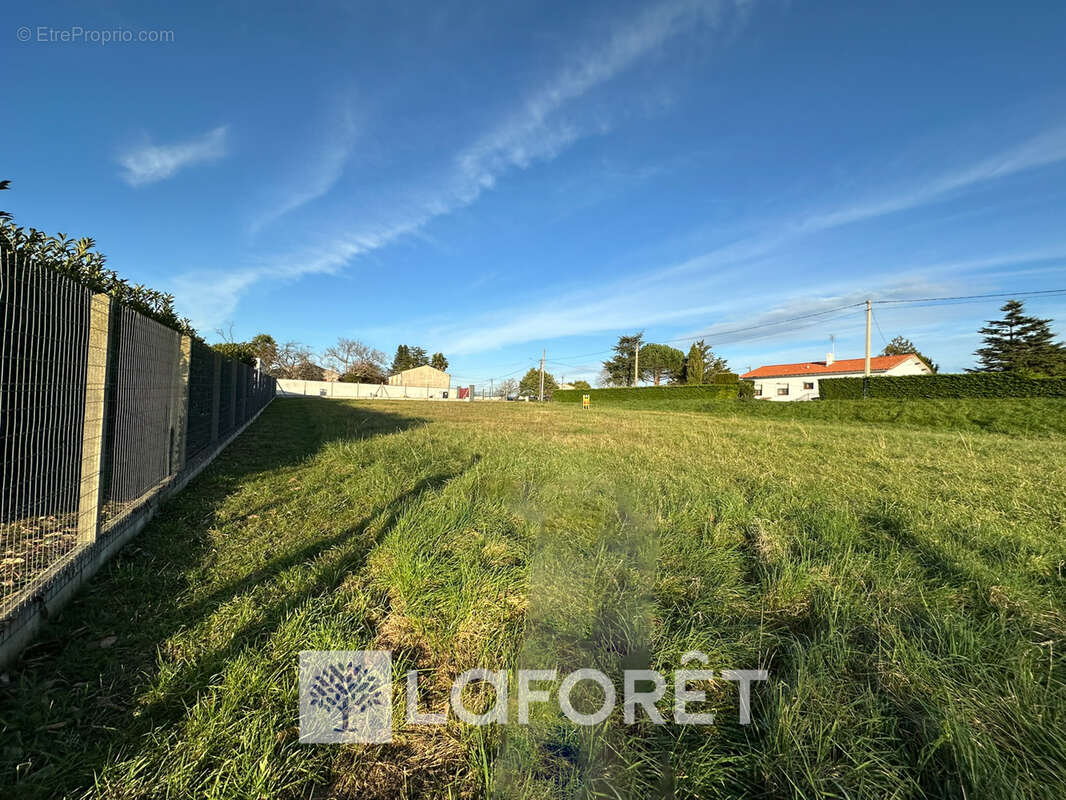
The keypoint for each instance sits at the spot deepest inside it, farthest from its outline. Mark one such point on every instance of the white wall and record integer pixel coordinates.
(369, 391)
(770, 387)
(795, 384)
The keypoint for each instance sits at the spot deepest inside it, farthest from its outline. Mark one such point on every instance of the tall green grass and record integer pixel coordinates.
(1015, 417)
(903, 587)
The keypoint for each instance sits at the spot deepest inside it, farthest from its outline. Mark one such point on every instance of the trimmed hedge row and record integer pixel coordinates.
(987, 385)
(656, 394)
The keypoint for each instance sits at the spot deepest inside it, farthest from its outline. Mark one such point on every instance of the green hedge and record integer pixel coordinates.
(656, 395)
(987, 385)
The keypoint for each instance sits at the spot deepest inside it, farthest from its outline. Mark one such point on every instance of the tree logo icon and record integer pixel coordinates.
(345, 696)
(349, 689)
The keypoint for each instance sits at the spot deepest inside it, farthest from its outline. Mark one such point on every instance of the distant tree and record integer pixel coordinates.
(439, 362)
(365, 372)
(695, 364)
(307, 370)
(352, 356)
(507, 387)
(700, 365)
(1020, 343)
(402, 359)
(620, 367)
(659, 361)
(581, 385)
(238, 351)
(901, 346)
(530, 383)
(266, 350)
(229, 347)
(418, 357)
(292, 361)
(408, 357)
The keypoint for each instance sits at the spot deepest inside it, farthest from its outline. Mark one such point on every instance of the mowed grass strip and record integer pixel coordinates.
(903, 587)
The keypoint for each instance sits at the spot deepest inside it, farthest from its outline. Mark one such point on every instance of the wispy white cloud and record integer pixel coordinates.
(149, 163)
(1042, 150)
(320, 172)
(532, 132)
(656, 297)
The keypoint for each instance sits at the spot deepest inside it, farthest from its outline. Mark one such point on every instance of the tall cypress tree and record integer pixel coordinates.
(696, 363)
(1019, 342)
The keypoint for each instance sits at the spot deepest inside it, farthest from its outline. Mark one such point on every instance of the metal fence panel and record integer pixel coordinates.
(101, 409)
(43, 342)
(141, 410)
(201, 388)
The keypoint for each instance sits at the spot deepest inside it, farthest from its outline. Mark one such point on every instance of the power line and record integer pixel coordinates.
(763, 330)
(881, 332)
(976, 296)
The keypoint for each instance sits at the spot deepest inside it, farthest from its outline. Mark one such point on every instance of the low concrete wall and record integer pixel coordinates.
(363, 391)
(85, 563)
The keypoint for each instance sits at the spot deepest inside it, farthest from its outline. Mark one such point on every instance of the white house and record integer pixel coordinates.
(800, 381)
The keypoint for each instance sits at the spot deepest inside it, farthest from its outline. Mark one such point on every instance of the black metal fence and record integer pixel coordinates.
(101, 409)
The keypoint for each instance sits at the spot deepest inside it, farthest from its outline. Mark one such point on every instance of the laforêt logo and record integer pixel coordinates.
(345, 696)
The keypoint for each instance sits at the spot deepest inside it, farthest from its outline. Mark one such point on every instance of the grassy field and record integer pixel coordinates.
(1011, 416)
(903, 585)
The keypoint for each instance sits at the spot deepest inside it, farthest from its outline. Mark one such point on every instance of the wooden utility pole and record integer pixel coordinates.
(543, 353)
(869, 316)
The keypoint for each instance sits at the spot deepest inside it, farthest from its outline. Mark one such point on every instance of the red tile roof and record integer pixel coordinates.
(877, 364)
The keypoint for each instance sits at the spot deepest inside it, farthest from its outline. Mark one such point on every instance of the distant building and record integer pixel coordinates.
(800, 381)
(565, 386)
(330, 375)
(425, 377)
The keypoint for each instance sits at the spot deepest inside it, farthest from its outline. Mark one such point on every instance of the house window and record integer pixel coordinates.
(808, 384)
(758, 390)
(782, 391)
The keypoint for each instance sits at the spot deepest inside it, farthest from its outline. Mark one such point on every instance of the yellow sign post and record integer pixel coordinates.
(585, 401)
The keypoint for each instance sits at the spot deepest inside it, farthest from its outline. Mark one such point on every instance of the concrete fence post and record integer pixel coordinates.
(92, 432)
(179, 405)
(216, 395)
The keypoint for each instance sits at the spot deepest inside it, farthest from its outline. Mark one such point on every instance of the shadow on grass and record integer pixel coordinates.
(70, 704)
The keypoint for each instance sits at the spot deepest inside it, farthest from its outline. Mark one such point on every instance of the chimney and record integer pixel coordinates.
(829, 359)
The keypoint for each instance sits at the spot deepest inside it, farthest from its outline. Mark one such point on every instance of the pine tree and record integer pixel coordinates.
(1020, 343)
(439, 362)
(402, 359)
(620, 368)
(658, 361)
(418, 357)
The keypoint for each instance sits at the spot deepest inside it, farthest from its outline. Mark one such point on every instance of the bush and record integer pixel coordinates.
(987, 385)
(653, 396)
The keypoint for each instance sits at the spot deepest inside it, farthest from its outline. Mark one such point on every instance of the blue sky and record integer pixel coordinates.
(490, 181)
